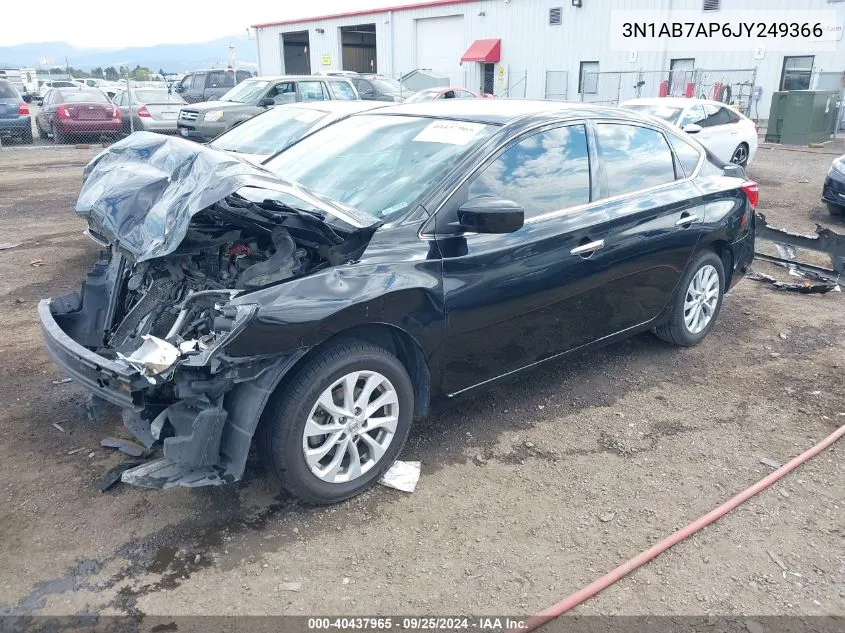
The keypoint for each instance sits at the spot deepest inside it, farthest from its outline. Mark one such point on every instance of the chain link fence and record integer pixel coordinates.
(557, 85)
(731, 86)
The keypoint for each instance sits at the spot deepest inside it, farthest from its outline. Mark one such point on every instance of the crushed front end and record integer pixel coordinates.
(149, 329)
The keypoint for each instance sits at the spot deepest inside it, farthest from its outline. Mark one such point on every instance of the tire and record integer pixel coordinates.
(740, 155)
(676, 330)
(835, 209)
(58, 137)
(282, 441)
(26, 137)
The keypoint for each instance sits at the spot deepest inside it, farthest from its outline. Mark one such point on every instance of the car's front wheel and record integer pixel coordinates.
(697, 302)
(338, 423)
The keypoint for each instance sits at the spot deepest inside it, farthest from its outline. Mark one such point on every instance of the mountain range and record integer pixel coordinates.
(172, 58)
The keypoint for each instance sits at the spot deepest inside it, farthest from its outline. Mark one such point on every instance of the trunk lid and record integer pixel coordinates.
(163, 111)
(9, 108)
(89, 111)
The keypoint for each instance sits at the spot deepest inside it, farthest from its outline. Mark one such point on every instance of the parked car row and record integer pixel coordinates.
(384, 261)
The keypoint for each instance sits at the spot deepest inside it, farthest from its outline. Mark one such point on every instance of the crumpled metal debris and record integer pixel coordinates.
(153, 358)
(124, 446)
(113, 475)
(402, 476)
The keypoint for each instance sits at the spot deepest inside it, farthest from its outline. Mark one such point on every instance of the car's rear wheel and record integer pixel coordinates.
(336, 425)
(835, 209)
(740, 155)
(697, 302)
(58, 137)
(26, 137)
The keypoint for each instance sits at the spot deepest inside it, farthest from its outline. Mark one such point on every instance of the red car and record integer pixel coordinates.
(77, 114)
(435, 94)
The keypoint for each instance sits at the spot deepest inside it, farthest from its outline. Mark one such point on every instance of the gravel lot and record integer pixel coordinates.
(528, 492)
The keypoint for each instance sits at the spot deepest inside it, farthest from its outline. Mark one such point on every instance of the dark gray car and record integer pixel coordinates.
(204, 121)
(207, 85)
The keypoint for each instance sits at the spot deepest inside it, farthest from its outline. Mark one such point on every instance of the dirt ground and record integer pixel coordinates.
(528, 492)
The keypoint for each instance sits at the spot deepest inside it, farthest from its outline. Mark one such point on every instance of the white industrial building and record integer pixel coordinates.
(549, 49)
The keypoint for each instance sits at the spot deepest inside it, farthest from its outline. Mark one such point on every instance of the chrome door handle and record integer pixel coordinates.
(587, 248)
(686, 219)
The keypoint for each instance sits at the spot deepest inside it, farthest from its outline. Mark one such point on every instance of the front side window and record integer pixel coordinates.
(342, 90)
(545, 172)
(797, 72)
(379, 164)
(634, 157)
(283, 93)
(464, 94)
(311, 91)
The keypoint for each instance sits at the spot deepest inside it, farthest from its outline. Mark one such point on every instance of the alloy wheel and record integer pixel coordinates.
(701, 299)
(350, 426)
(740, 156)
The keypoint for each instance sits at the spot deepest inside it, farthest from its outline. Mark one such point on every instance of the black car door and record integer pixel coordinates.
(515, 299)
(655, 218)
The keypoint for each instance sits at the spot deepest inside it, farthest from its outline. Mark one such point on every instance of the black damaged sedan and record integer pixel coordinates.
(380, 267)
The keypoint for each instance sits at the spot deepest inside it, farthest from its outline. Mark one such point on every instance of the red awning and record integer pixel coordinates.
(483, 51)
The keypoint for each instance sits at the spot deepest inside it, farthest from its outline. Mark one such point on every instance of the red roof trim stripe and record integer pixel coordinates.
(404, 7)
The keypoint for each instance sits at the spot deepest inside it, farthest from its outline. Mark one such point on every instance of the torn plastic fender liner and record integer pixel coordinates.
(141, 193)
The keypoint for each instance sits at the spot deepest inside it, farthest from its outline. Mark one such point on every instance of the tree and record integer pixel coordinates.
(57, 71)
(111, 73)
(141, 73)
(97, 72)
(124, 71)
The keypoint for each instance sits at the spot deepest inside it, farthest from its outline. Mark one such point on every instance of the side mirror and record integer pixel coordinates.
(692, 128)
(266, 102)
(487, 214)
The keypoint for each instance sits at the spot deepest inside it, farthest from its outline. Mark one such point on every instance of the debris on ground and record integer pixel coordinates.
(290, 586)
(777, 560)
(36, 262)
(402, 476)
(4, 246)
(770, 463)
(112, 476)
(62, 381)
(124, 446)
(804, 287)
(59, 427)
(75, 451)
(607, 517)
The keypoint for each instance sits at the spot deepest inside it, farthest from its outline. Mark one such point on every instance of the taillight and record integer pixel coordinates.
(115, 113)
(142, 111)
(23, 109)
(62, 112)
(751, 191)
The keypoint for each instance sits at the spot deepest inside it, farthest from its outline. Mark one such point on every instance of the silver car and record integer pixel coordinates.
(151, 109)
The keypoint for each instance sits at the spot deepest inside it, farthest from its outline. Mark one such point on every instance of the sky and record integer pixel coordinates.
(150, 22)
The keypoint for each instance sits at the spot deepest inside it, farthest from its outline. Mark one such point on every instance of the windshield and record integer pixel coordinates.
(245, 92)
(423, 95)
(388, 85)
(667, 113)
(82, 96)
(379, 164)
(269, 132)
(157, 96)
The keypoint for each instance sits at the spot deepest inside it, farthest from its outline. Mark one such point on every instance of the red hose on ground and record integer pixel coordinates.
(582, 595)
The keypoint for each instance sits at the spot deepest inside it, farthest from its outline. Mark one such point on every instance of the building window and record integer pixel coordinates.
(797, 72)
(555, 18)
(588, 78)
(711, 5)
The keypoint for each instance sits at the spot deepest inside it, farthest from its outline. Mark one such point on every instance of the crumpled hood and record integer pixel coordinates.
(142, 192)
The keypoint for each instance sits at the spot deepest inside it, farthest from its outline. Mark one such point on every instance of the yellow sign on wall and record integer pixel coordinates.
(326, 60)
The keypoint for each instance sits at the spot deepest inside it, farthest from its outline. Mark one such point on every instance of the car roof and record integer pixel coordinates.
(504, 111)
(297, 78)
(338, 106)
(674, 102)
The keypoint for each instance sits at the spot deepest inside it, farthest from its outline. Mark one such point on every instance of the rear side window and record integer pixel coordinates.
(719, 116)
(342, 90)
(687, 154)
(311, 91)
(634, 157)
(220, 79)
(545, 172)
(7, 91)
